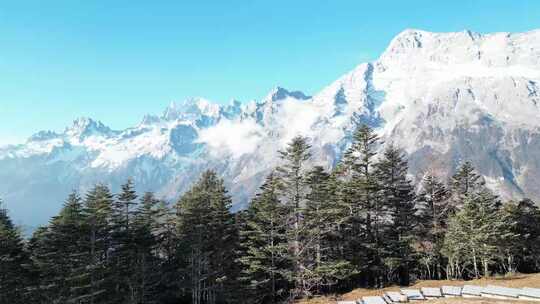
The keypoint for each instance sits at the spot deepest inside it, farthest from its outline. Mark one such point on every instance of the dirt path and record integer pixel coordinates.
(517, 281)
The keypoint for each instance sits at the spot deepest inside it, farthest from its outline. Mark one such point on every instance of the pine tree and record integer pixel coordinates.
(16, 269)
(266, 261)
(473, 235)
(523, 244)
(56, 251)
(146, 235)
(293, 177)
(169, 279)
(494, 229)
(225, 236)
(206, 239)
(323, 216)
(434, 208)
(193, 242)
(397, 195)
(95, 280)
(508, 243)
(44, 254)
(123, 257)
(466, 182)
(366, 213)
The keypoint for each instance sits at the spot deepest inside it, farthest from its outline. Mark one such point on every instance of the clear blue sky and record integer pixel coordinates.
(118, 60)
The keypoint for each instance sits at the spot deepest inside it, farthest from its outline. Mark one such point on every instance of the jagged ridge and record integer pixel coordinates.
(442, 97)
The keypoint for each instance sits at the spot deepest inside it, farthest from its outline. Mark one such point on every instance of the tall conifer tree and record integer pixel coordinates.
(266, 261)
(473, 235)
(16, 271)
(397, 195)
(323, 217)
(207, 239)
(56, 250)
(146, 235)
(124, 247)
(366, 212)
(96, 284)
(434, 208)
(466, 182)
(293, 176)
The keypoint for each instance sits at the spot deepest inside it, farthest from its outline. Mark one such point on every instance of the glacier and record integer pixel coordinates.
(442, 97)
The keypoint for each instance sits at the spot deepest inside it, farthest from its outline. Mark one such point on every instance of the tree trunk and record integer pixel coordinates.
(510, 263)
(475, 264)
(486, 268)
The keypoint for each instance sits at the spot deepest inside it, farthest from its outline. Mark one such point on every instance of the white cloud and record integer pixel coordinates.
(235, 137)
(297, 119)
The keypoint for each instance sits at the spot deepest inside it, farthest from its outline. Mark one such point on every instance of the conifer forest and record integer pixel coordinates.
(307, 232)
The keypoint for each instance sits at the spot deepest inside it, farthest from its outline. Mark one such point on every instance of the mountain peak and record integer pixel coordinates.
(412, 32)
(408, 39)
(191, 106)
(85, 126)
(413, 39)
(43, 135)
(149, 119)
(279, 93)
(464, 53)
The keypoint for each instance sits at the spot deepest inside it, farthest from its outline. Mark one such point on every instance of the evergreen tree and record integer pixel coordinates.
(43, 251)
(366, 212)
(265, 260)
(473, 235)
(95, 282)
(466, 182)
(56, 250)
(434, 208)
(494, 231)
(523, 244)
(16, 269)
(397, 195)
(508, 244)
(124, 247)
(207, 239)
(146, 235)
(323, 217)
(167, 250)
(225, 237)
(293, 176)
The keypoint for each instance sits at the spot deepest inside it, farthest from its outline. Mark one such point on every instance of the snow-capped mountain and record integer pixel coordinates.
(442, 97)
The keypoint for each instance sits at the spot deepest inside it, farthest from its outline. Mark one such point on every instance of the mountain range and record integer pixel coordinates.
(442, 97)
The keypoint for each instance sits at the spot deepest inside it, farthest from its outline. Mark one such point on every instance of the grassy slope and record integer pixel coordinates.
(521, 280)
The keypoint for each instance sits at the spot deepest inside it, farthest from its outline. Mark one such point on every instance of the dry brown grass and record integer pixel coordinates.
(518, 280)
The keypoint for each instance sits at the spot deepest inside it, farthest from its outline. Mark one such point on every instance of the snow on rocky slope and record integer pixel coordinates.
(442, 97)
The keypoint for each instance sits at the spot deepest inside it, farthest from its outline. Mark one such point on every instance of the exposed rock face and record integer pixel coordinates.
(442, 97)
